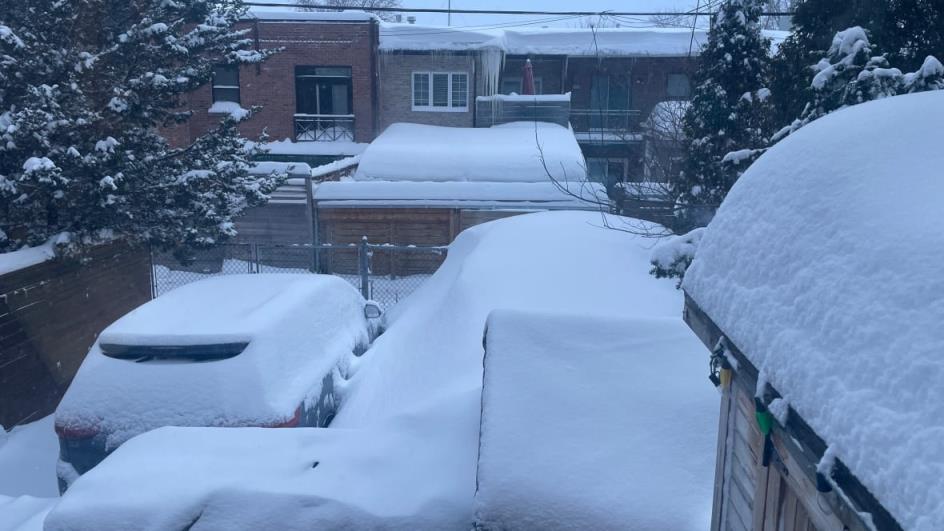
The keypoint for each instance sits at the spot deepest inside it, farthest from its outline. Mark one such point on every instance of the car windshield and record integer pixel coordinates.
(196, 353)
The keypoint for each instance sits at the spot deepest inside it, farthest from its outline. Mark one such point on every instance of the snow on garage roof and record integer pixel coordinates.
(666, 42)
(823, 266)
(611, 454)
(523, 196)
(504, 153)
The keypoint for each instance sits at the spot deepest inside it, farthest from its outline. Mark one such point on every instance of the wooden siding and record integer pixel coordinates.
(399, 226)
(784, 495)
(275, 223)
(51, 314)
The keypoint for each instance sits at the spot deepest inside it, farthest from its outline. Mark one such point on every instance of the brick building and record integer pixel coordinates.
(319, 88)
(615, 78)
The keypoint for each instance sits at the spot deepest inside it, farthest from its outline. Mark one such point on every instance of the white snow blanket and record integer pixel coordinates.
(281, 13)
(546, 195)
(24, 513)
(591, 422)
(823, 266)
(505, 153)
(299, 329)
(402, 451)
(576, 42)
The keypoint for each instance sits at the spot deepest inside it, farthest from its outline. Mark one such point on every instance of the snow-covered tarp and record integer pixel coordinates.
(299, 328)
(590, 422)
(402, 452)
(503, 153)
(546, 195)
(824, 266)
(575, 42)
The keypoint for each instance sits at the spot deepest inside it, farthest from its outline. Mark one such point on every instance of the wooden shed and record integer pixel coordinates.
(817, 288)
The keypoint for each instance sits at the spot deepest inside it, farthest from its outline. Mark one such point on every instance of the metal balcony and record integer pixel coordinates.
(324, 127)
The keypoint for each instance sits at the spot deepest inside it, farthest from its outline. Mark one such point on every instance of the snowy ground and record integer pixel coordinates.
(402, 452)
(27, 475)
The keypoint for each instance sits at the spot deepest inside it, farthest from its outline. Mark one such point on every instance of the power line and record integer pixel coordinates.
(500, 12)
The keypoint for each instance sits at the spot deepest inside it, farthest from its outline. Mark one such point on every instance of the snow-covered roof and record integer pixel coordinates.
(626, 42)
(291, 13)
(503, 153)
(823, 266)
(611, 454)
(507, 195)
(298, 329)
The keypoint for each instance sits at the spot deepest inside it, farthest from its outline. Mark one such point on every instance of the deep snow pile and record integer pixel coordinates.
(504, 153)
(28, 459)
(614, 428)
(27, 475)
(823, 266)
(402, 452)
(299, 328)
(24, 513)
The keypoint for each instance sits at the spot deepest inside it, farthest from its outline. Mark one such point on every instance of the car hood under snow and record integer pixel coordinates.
(298, 329)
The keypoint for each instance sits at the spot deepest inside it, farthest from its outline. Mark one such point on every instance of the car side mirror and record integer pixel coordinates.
(372, 310)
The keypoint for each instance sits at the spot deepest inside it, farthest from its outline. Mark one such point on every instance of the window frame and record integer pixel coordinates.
(668, 83)
(214, 86)
(299, 73)
(429, 107)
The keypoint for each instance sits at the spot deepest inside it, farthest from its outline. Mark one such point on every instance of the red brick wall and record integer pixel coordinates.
(50, 315)
(272, 84)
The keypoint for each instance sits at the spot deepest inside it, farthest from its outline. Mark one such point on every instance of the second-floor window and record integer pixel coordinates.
(440, 91)
(226, 83)
(324, 90)
(678, 86)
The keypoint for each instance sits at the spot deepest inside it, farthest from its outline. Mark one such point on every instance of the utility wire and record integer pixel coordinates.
(498, 12)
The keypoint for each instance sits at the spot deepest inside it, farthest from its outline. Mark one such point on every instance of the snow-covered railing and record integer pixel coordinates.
(505, 108)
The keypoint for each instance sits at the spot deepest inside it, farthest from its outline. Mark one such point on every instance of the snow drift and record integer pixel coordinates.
(402, 452)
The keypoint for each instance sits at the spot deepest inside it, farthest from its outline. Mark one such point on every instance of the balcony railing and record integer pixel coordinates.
(605, 125)
(324, 127)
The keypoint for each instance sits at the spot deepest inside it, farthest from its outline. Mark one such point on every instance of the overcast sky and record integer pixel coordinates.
(538, 5)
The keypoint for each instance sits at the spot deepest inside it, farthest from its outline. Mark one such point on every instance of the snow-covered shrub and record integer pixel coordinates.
(671, 258)
(84, 89)
(729, 110)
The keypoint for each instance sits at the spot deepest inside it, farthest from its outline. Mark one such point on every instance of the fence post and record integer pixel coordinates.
(363, 266)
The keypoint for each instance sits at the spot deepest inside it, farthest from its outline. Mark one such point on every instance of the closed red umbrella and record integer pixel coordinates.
(527, 78)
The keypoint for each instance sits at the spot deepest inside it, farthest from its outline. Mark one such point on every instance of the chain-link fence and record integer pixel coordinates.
(385, 273)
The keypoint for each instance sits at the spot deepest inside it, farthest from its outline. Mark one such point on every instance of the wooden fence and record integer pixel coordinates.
(51, 314)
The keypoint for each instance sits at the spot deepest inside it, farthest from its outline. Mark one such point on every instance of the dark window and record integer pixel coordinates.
(226, 83)
(678, 86)
(198, 353)
(323, 90)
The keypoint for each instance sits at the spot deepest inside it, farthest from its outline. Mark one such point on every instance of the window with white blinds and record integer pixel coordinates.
(441, 91)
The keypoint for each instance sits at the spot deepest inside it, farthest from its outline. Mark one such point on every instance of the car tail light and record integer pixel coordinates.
(290, 423)
(76, 432)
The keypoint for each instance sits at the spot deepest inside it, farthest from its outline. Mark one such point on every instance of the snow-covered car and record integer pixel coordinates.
(241, 350)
